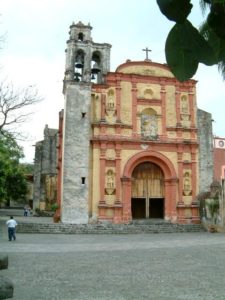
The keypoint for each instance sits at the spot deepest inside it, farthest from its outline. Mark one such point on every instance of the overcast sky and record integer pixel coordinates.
(35, 41)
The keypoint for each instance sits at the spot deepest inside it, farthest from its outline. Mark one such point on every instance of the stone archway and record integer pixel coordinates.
(170, 183)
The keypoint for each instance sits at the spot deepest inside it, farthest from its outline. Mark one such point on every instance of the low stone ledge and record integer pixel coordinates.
(107, 229)
(3, 261)
(6, 288)
(6, 285)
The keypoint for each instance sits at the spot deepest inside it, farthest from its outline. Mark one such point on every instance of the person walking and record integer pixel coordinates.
(11, 224)
(25, 211)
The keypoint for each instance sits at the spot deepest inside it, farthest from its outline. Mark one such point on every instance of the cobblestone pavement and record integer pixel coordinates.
(116, 267)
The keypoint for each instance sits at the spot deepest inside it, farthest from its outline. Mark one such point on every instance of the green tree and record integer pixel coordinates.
(187, 46)
(13, 185)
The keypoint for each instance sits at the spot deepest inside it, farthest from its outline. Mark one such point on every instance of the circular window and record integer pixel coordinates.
(221, 143)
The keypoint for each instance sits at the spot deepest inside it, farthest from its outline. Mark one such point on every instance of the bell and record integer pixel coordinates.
(76, 76)
(79, 64)
(95, 69)
(92, 76)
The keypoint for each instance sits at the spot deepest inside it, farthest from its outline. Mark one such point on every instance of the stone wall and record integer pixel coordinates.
(75, 159)
(205, 139)
(45, 167)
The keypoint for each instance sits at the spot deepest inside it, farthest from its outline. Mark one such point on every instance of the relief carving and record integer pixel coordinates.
(110, 104)
(149, 127)
(110, 154)
(184, 105)
(148, 94)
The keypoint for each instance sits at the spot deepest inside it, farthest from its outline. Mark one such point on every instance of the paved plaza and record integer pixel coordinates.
(116, 267)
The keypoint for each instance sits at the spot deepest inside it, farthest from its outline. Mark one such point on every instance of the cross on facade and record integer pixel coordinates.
(146, 51)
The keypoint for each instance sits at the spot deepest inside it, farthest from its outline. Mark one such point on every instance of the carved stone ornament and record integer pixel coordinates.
(110, 191)
(144, 146)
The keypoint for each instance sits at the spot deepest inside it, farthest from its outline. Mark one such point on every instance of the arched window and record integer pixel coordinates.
(96, 66)
(80, 36)
(79, 65)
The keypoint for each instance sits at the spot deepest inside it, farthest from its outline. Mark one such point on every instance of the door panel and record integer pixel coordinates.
(156, 208)
(147, 182)
(138, 207)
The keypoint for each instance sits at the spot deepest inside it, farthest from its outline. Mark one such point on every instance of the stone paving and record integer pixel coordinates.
(116, 267)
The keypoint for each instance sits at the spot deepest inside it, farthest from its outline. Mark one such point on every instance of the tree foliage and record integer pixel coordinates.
(13, 185)
(187, 46)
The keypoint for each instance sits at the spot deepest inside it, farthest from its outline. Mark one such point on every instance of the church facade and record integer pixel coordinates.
(129, 145)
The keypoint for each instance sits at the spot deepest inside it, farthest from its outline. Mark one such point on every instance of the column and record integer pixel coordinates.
(134, 108)
(118, 204)
(192, 112)
(170, 201)
(126, 190)
(103, 99)
(194, 205)
(163, 118)
(180, 174)
(193, 171)
(102, 173)
(118, 170)
(118, 101)
(177, 98)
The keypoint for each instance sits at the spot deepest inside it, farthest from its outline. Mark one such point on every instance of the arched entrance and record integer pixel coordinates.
(169, 187)
(147, 191)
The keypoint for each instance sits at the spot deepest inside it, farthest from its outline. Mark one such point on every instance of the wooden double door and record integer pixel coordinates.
(147, 192)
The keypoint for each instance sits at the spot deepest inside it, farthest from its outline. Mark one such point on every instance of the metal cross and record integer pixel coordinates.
(146, 50)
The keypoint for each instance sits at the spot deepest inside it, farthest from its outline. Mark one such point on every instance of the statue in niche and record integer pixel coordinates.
(110, 179)
(110, 104)
(149, 128)
(187, 184)
(110, 182)
(184, 105)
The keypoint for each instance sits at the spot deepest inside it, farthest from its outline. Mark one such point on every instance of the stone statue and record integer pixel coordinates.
(149, 126)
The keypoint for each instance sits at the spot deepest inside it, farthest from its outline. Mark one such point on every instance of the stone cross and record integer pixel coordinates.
(146, 50)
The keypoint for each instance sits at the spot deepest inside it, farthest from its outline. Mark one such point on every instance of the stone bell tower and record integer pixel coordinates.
(87, 63)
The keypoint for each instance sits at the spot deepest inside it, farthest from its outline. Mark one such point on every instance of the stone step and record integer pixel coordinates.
(108, 228)
(149, 221)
